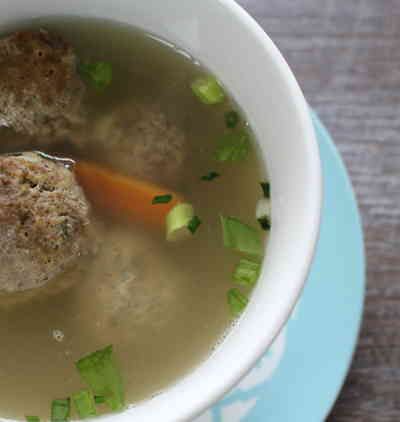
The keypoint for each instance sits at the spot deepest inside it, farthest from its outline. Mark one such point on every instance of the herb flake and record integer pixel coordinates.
(265, 223)
(241, 237)
(208, 90)
(236, 301)
(32, 418)
(101, 373)
(100, 74)
(194, 224)
(247, 272)
(210, 176)
(99, 399)
(60, 410)
(266, 188)
(231, 119)
(233, 146)
(84, 404)
(162, 199)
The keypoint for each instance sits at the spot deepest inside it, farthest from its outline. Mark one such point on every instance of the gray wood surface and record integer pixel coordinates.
(346, 56)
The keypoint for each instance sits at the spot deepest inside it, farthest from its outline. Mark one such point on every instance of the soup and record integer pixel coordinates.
(150, 119)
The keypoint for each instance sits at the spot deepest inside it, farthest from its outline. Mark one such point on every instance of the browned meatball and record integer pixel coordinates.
(141, 141)
(40, 90)
(44, 220)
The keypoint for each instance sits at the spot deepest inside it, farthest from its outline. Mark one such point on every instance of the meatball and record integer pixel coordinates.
(40, 91)
(135, 283)
(139, 140)
(44, 220)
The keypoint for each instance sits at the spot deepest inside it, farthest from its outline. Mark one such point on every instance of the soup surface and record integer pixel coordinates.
(162, 305)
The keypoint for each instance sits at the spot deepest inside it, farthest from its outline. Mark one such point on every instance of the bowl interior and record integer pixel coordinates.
(224, 38)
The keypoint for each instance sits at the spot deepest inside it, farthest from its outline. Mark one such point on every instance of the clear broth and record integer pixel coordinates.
(163, 306)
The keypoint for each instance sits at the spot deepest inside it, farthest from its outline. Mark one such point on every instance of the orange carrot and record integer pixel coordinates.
(122, 196)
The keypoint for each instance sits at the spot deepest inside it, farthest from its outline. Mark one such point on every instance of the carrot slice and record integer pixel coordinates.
(123, 196)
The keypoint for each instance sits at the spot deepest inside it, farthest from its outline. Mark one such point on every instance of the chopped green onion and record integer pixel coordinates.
(99, 73)
(247, 272)
(60, 410)
(241, 237)
(99, 399)
(32, 418)
(263, 213)
(231, 119)
(100, 372)
(177, 222)
(210, 176)
(194, 224)
(162, 199)
(266, 188)
(208, 90)
(233, 146)
(237, 301)
(265, 223)
(84, 404)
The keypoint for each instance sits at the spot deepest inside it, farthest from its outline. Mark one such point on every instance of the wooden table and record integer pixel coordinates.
(346, 56)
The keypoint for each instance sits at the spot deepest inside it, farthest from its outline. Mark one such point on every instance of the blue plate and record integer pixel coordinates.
(300, 376)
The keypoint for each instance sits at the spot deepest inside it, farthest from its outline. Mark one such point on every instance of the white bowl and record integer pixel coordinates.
(231, 44)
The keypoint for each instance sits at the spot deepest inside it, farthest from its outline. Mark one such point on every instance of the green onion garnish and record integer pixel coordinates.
(265, 223)
(210, 176)
(32, 418)
(208, 90)
(265, 186)
(60, 410)
(162, 199)
(177, 222)
(84, 404)
(233, 146)
(231, 119)
(100, 372)
(99, 399)
(194, 224)
(100, 74)
(241, 237)
(263, 213)
(237, 301)
(247, 272)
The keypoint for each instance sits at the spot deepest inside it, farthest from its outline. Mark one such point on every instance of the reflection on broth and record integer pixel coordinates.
(96, 269)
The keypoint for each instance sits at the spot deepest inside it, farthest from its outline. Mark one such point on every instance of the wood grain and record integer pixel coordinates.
(346, 56)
